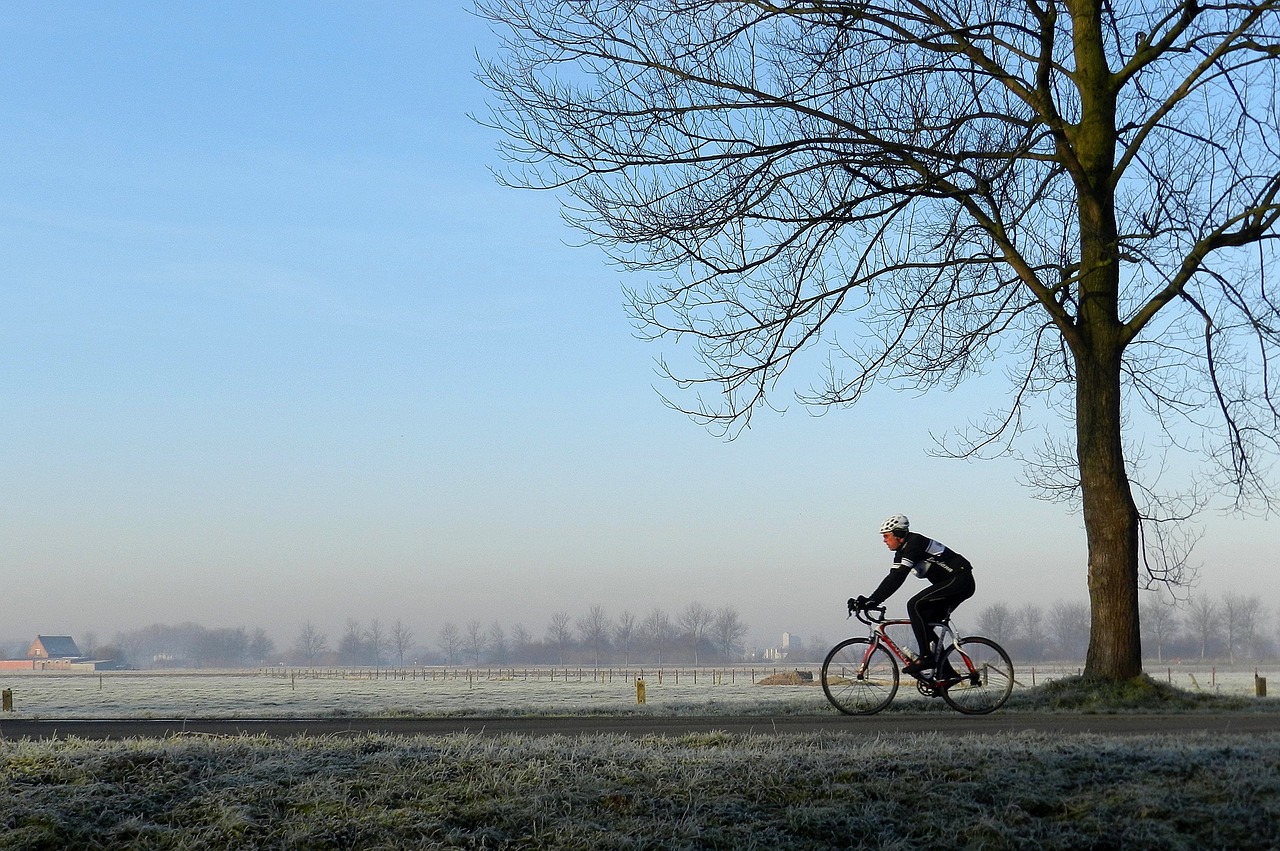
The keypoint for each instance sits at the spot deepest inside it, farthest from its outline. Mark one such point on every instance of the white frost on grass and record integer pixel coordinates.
(120, 695)
(715, 790)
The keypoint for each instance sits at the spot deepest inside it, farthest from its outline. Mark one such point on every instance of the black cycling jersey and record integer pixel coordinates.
(927, 558)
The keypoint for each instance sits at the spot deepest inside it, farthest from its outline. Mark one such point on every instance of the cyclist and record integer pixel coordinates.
(949, 574)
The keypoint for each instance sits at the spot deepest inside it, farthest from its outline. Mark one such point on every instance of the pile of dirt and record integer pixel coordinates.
(789, 678)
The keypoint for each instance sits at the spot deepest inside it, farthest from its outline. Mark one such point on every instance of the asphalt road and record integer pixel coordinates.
(876, 725)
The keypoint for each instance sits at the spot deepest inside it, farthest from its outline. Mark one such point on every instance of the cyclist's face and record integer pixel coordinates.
(892, 541)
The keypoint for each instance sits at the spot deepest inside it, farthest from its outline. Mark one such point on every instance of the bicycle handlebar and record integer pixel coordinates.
(869, 614)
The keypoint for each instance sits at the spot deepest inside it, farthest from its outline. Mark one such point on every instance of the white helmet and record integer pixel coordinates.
(896, 523)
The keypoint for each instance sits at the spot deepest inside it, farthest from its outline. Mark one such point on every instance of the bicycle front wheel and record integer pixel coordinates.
(985, 676)
(859, 679)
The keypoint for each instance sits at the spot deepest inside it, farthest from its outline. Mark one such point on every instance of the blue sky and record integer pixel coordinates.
(278, 348)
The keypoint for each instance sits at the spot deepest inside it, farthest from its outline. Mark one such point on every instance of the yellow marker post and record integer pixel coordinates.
(640, 696)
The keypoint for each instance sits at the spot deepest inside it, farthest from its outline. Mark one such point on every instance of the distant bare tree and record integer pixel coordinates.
(521, 641)
(728, 630)
(401, 640)
(658, 630)
(261, 645)
(594, 628)
(310, 644)
(1069, 625)
(1202, 622)
(475, 640)
(450, 642)
(624, 633)
(1031, 630)
(560, 635)
(354, 647)
(695, 621)
(499, 649)
(1159, 622)
(377, 639)
(1275, 639)
(816, 648)
(1240, 614)
(997, 622)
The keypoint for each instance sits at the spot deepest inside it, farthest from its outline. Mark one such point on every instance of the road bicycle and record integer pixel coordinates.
(860, 675)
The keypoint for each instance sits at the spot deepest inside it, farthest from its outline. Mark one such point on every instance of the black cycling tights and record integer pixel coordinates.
(933, 603)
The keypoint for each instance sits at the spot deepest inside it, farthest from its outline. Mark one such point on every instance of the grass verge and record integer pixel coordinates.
(610, 792)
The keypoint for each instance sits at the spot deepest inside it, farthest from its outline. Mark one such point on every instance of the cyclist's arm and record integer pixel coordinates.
(890, 584)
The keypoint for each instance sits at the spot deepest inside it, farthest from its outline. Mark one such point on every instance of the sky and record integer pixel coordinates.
(275, 348)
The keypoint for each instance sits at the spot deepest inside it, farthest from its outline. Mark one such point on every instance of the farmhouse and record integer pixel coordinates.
(53, 653)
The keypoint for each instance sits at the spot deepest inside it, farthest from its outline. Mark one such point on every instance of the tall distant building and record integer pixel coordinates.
(790, 643)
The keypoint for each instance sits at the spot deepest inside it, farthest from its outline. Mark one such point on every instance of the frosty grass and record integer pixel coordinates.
(703, 791)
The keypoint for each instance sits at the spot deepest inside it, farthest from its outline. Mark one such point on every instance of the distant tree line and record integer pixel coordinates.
(1231, 628)
(1234, 627)
(186, 645)
(695, 635)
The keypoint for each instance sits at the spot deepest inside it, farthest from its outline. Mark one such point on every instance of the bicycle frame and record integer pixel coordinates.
(878, 635)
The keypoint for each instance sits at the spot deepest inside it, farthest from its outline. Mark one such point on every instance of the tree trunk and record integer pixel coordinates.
(1111, 523)
(1110, 515)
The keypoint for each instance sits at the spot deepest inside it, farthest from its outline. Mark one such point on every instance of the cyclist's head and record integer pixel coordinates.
(898, 524)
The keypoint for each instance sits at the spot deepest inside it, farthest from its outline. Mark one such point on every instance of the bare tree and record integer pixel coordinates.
(354, 647)
(997, 622)
(695, 620)
(1032, 633)
(499, 649)
(1240, 615)
(1159, 622)
(521, 641)
(475, 640)
(594, 628)
(1069, 627)
(560, 635)
(310, 644)
(624, 633)
(1202, 622)
(816, 648)
(728, 629)
(657, 628)
(450, 642)
(401, 640)
(1086, 191)
(261, 645)
(378, 641)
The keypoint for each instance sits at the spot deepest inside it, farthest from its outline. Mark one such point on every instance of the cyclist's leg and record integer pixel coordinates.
(934, 603)
(964, 589)
(945, 641)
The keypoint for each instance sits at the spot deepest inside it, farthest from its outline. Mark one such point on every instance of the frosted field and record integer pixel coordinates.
(254, 696)
(243, 695)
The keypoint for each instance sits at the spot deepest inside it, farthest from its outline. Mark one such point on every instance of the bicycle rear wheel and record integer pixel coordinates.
(985, 672)
(859, 679)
